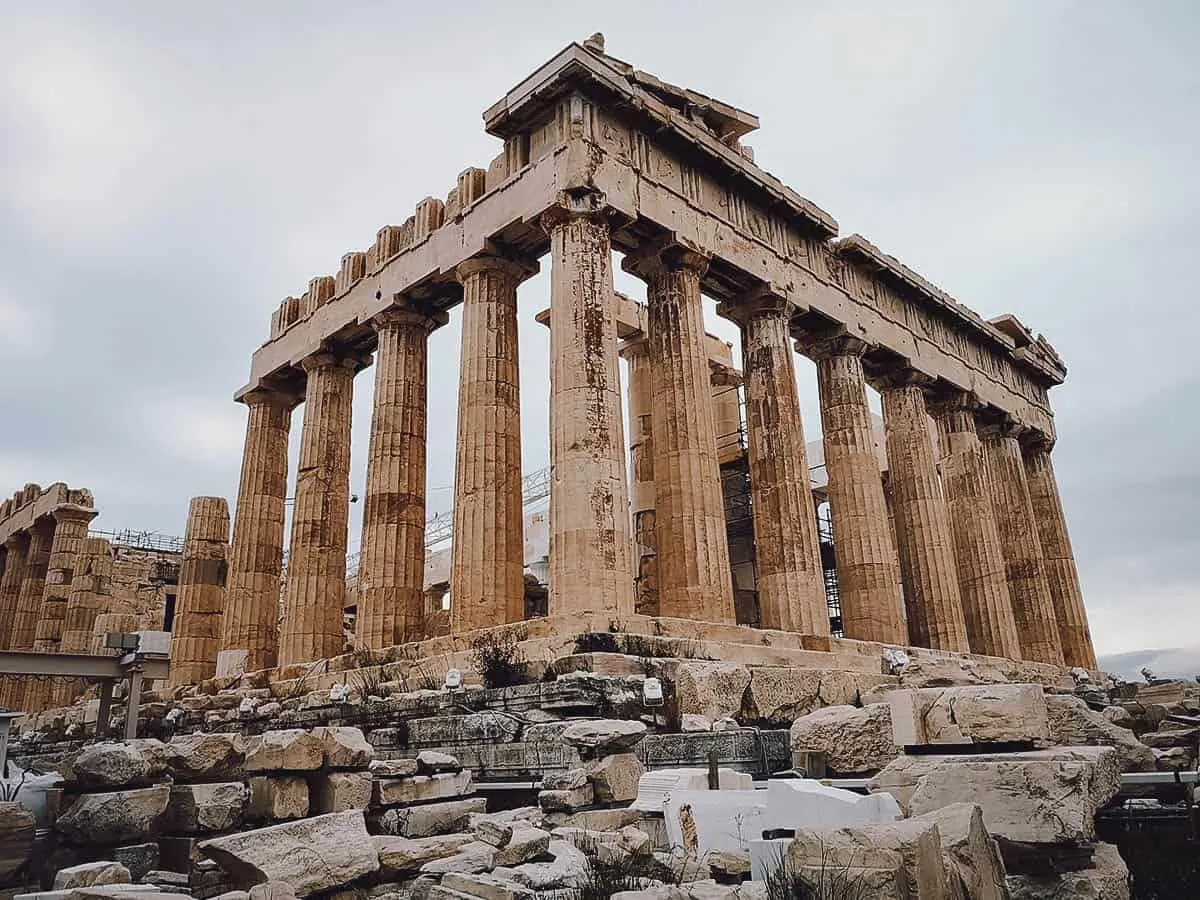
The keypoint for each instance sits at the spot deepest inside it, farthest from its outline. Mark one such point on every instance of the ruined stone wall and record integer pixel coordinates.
(144, 584)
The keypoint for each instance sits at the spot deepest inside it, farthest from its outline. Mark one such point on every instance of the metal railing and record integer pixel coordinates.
(141, 540)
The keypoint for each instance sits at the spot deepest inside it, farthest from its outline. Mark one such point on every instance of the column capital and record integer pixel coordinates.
(591, 205)
(823, 345)
(261, 396)
(410, 313)
(13, 541)
(760, 303)
(72, 512)
(660, 257)
(1037, 441)
(517, 270)
(634, 346)
(1002, 426)
(903, 377)
(333, 359)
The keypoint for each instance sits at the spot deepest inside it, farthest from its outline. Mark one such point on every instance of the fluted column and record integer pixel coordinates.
(203, 575)
(694, 581)
(33, 584)
(590, 531)
(314, 599)
(924, 544)
(250, 626)
(1059, 559)
(1033, 609)
(982, 584)
(641, 458)
(391, 569)
(17, 547)
(868, 574)
(791, 586)
(90, 587)
(487, 558)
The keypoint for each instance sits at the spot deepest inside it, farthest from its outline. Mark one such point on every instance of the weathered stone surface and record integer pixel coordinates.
(485, 887)
(205, 757)
(110, 818)
(203, 808)
(272, 890)
(340, 791)
(278, 798)
(400, 856)
(492, 831)
(917, 843)
(691, 722)
(431, 762)
(1043, 797)
(91, 874)
(969, 714)
(293, 750)
(974, 868)
(604, 736)
(421, 788)
(615, 778)
(780, 695)
(525, 844)
(431, 819)
(566, 799)
(946, 671)
(1073, 724)
(344, 747)
(1107, 879)
(312, 855)
(854, 740)
(393, 768)
(138, 859)
(568, 869)
(710, 689)
(17, 831)
(471, 858)
(116, 764)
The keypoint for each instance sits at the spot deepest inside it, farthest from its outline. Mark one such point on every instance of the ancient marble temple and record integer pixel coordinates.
(600, 157)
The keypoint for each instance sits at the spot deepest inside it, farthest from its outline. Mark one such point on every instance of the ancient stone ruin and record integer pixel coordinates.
(682, 719)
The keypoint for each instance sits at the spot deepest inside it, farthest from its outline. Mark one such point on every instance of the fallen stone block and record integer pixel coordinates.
(277, 798)
(431, 819)
(525, 844)
(116, 764)
(485, 887)
(802, 803)
(421, 788)
(854, 740)
(109, 818)
(18, 828)
(1073, 724)
(399, 856)
(1040, 797)
(656, 785)
(206, 808)
(205, 757)
(293, 750)
(710, 689)
(993, 713)
(602, 737)
(91, 874)
(916, 842)
(272, 890)
(311, 855)
(138, 859)
(492, 830)
(778, 695)
(340, 791)
(393, 768)
(344, 747)
(1107, 879)
(567, 869)
(974, 867)
(432, 762)
(566, 799)
(615, 778)
(471, 859)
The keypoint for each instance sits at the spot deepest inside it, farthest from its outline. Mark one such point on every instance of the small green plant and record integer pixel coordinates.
(422, 679)
(826, 881)
(368, 681)
(499, 661)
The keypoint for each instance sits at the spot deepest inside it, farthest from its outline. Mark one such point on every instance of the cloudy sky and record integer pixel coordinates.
(169, 172)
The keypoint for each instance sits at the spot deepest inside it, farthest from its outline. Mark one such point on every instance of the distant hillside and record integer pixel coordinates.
(1180, 662)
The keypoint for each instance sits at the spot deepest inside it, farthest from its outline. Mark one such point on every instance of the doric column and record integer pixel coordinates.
(487, 556)
(1059, 559)
(923, 541)
(868, 576)
(1033, 609)
(641, 459)
(88, 599)
(590, 540)
(250, 626)
(391, 569)
(314, 598)
(33, 584)
(694, 581)
(17, 547)
(201, 597)
(987, 606)
(791, 584)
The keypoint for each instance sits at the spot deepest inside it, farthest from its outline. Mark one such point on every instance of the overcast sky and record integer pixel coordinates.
(169, 172)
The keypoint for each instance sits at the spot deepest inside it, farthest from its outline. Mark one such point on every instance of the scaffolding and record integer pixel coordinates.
(141, 540)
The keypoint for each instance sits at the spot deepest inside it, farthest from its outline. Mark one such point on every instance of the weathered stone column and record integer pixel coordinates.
(868, 576)
(694, 581)
(791, 584)
(203, 574)
(487, 556)
(250, 626)
(17, 547)
(641, 492)
(88, 599)
(925, 546)
(391, 569)
(33, 584)
(314, 599)
(1059, 559)
(1033, 609)
(590, 536)
(987, 606)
